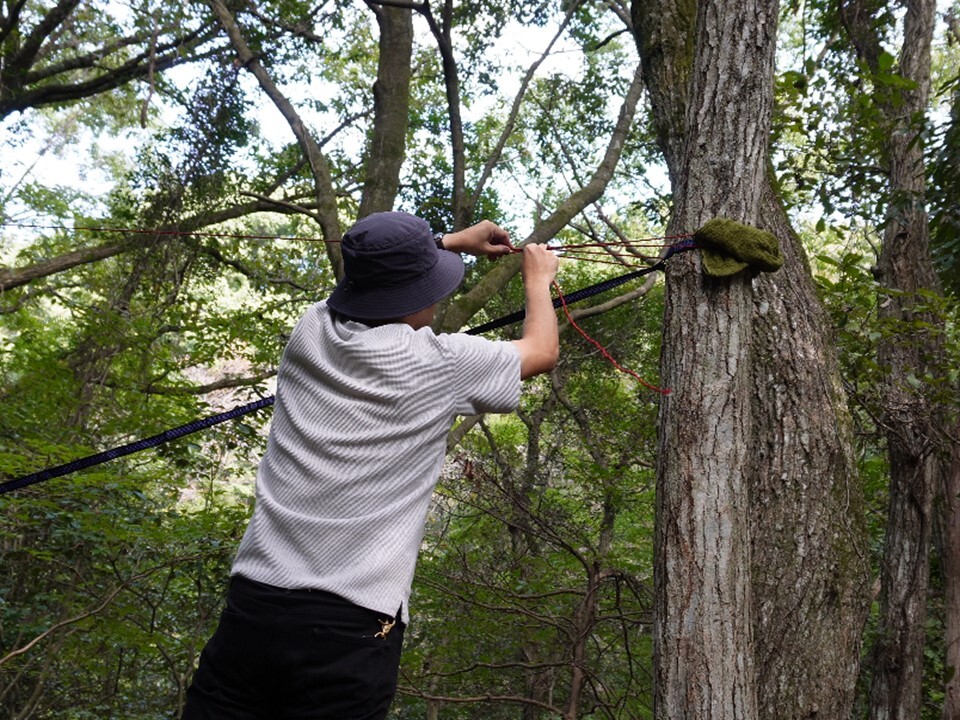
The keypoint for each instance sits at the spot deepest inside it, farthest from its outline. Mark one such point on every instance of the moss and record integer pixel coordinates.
(729, 246)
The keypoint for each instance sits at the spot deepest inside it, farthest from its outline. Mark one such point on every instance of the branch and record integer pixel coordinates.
(323, 184)
(516, 700)
(224, 384)
(31, 44)
(15, 277)
(297, 29)
(615, 302)
(95, 58)
(132, 70)
(494, 281)
(610, 38)
(284, 205)
(497, 152)
(622, 10)
(92, 611)
(11, 278)
(10, 22)
(442, 34)
(420, 7)
(856, 19)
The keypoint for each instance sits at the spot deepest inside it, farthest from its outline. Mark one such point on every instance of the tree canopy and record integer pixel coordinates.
(174, 185)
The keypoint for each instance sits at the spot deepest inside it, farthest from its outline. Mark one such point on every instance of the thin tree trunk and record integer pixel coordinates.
(950, 566)
(391, 104)
(905, 268)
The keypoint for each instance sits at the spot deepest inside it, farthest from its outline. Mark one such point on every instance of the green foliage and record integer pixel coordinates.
(532, 511)
(944, 190)
(133, 555)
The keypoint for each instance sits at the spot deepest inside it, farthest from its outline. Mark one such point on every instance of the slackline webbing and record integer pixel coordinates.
(135, 446)
(204, 423)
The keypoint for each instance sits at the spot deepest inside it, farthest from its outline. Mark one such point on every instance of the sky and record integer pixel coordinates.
(34, 150)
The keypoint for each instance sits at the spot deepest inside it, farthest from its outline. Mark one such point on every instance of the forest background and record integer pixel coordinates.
(779, 537)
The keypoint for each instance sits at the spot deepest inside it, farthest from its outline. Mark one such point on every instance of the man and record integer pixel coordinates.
(366, 394)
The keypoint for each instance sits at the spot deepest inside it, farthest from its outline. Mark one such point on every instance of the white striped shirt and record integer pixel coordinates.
(356, 445)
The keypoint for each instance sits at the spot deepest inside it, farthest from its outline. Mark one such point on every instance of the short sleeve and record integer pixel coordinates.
(487, 374)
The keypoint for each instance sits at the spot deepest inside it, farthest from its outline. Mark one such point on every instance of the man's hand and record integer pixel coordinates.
(484, 238)
(539, 266)
(540, 346)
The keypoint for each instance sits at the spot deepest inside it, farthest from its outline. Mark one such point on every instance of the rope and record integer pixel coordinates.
(604, 351)
(204, 423)
(686, 243)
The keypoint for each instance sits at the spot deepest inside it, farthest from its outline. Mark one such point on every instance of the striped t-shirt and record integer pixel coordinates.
(356, 445)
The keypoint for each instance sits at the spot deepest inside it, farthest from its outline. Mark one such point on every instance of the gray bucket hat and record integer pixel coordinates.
(392, 267)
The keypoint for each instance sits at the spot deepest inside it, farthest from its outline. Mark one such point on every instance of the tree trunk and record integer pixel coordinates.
(760, 545)
(703, 636)
(950, 566)
(391, 104)
(811, 570)
(909, 418)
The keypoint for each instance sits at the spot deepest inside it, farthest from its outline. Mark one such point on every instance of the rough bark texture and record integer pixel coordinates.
(909, 417)
(761, 568)
(950, 561)
(391, 104)
(810, 563)
(704, 662)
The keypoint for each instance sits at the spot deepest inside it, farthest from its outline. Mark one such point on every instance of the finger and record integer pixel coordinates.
(499, 236)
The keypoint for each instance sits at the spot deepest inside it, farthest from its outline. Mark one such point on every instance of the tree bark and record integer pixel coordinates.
(703, 636)
(760, 548)
(905, 269)
(950, 564)
(810, 566)
(391, 106)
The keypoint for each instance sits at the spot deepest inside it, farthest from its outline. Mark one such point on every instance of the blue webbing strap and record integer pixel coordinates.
(573, 297)
(204, 423)
(136, 446)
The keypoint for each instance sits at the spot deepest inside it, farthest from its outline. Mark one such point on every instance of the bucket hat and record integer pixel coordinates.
(392, 267)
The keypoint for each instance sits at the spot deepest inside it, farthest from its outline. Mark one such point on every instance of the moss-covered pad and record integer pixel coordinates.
(728, 246)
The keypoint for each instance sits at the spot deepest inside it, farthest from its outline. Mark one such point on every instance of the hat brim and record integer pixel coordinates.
(388, 303)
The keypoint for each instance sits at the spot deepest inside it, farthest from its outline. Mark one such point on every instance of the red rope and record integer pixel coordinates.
(603, 350)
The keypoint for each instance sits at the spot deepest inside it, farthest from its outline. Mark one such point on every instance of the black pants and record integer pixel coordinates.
(295, 654)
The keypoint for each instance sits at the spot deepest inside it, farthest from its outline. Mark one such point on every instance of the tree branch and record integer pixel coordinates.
(493, 282)
(323, 184)
(516, 700)
(11, 278)
(59, 93)
(30, 46)
(511, 122)
(223, 384)
(98, 608)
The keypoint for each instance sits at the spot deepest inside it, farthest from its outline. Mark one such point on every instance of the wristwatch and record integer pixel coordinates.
(438, 239)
